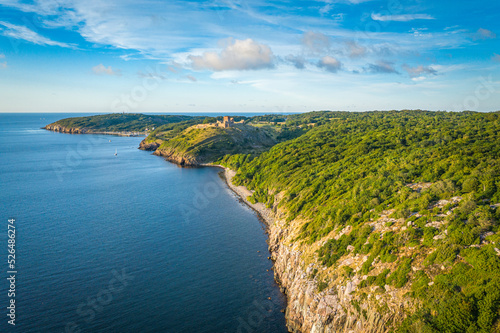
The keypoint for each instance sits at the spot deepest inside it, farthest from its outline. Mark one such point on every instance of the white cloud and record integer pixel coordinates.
(152, 31)
(482, 34)
(330, 64)
(24, 33)
(316, 42)
(191, 78)
(326, 9)
(355, 50)
(237, 55)
(384, 67)
(415, 72)
(101, 69)
(450, 68)
(401, 18)
(353, 2)
(298, 61)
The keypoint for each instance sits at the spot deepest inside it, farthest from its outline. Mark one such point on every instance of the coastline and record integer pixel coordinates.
(265, 214)
(308, 309)
(60, 129)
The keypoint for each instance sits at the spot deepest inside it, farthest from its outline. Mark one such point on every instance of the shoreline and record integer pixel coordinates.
(65, 130)
(264, 214)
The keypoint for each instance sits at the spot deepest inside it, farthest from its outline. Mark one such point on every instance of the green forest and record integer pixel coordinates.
(351, 167)
(120, 122)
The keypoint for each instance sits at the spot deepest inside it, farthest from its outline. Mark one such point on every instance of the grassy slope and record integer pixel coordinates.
(209, 144)
(353, 171)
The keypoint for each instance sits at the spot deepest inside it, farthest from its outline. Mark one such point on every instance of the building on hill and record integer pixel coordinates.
(227, 121)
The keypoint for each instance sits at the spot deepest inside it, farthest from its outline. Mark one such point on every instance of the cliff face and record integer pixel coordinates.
(341, 308)
(309, 310)
(55, 127)
(149, 146)
(58, 128)
(173, 156)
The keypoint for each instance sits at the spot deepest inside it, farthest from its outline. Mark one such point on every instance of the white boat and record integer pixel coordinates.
(116, 152)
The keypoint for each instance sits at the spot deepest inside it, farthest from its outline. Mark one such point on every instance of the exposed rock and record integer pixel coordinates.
(55, 127)
(172, 156)
(308, 309)
(418, 187)
(150, 146)
(58, 128)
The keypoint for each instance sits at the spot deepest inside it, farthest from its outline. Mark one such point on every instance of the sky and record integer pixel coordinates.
(248, 55)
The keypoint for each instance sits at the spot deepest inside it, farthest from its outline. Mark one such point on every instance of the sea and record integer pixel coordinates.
(91, 241)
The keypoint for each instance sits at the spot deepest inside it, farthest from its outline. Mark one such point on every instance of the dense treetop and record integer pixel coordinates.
(119, 122)
(353, 166)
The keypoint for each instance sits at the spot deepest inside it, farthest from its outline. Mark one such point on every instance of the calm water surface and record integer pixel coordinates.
(126, 243)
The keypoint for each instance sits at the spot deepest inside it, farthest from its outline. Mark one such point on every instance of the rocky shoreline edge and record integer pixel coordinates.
(61, 129)
(264, 213)
(307, 309)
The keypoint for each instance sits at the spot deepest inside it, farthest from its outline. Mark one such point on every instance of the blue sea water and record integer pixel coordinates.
(126, 243)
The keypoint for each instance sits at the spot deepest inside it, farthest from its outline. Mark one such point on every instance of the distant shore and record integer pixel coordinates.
(62, 129)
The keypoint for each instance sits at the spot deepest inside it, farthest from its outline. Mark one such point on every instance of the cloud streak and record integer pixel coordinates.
(24, 33)
(401, 18)
(419, 70)
(381, 67)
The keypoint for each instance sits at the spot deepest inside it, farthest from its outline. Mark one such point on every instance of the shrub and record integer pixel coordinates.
(400, 276)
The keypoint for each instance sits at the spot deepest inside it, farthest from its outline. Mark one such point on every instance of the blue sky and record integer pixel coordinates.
(244, 56)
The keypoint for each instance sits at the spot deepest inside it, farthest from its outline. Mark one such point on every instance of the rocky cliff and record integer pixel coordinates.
(340, 307)
(55, 127)
(310, 310)
(176, 157)
(149, 146)
(58, 128)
